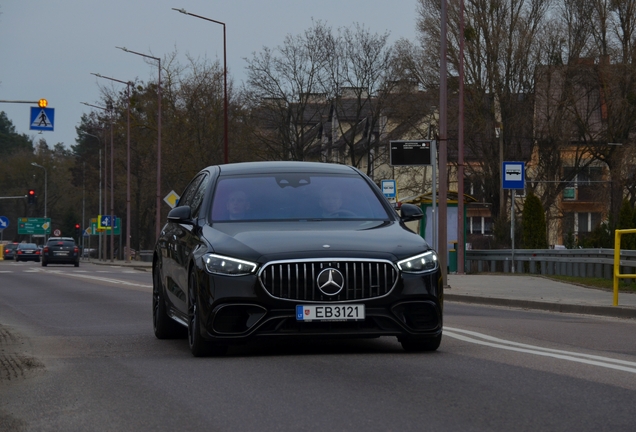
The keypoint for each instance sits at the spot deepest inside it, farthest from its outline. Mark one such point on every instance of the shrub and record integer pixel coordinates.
(533, 225)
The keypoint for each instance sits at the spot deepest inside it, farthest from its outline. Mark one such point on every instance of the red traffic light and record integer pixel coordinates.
(77, 226)
(31, 192)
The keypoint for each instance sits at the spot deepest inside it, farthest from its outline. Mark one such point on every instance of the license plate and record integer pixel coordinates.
(323, 312)
(61, 253)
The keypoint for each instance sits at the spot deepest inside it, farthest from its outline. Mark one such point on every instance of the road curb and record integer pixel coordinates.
(140, 267)
(611, 311)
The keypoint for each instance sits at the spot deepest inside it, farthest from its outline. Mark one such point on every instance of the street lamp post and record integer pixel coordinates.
(99, 246)
(45, 184)
(158, 197)
(128, 84)
(112, 178)
(225, 113)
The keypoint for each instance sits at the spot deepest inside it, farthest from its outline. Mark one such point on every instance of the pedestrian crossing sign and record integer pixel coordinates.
(42, 119)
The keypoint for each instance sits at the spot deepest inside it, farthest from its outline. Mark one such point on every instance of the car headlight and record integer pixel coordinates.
(419, 263)
(219, 264)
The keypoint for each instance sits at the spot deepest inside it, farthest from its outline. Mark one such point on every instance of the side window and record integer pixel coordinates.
(187, 198)
(197, 197)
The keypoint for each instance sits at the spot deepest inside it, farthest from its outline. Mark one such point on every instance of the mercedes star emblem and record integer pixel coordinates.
(330, 281)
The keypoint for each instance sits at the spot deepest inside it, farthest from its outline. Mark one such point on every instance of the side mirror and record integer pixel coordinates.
(181, 215)
(410, 212)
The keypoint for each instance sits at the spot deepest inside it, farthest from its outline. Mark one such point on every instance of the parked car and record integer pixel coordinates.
(9, 251)
(27, 252)
(60, 250)
(293, 249)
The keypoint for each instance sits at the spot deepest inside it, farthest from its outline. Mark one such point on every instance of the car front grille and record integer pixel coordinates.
(298, 280)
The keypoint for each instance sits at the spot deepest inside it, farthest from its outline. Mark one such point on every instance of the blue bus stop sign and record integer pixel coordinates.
(513, 175)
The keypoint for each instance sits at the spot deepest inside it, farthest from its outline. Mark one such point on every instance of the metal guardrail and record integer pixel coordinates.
(597, 263)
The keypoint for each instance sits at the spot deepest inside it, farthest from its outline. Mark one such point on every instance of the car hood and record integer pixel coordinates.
(266, 241)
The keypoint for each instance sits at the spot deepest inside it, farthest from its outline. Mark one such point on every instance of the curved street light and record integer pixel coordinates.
(225, 114)
(128, 84)
(158, 197)
(99, 246)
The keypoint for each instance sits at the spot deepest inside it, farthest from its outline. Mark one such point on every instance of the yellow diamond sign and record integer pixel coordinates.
(171, 199)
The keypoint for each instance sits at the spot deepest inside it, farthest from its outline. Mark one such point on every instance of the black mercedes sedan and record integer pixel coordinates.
(297, 250)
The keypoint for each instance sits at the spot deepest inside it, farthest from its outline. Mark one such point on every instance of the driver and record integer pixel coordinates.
(238, 205)
(330, 202)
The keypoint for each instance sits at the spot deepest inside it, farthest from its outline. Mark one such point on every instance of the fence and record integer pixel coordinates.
(597, 263)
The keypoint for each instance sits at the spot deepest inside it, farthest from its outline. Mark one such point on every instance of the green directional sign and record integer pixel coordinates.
(36, 226)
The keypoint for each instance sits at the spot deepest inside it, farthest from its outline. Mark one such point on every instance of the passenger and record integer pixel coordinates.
(238, 205)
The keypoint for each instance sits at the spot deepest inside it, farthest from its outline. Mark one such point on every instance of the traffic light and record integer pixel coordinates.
(31, 196)
(78, 229)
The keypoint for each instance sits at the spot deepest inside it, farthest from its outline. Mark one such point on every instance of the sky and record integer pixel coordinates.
(48, 49)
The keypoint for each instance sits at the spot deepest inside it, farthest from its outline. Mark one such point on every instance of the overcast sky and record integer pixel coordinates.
(48, 49)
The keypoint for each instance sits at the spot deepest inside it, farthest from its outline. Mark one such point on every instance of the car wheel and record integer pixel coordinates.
(44, 263)
(164, 326)
(76, 263)
(421, 344)
(198, 346)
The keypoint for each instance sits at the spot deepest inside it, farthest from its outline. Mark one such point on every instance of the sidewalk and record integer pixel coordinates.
(537, 292)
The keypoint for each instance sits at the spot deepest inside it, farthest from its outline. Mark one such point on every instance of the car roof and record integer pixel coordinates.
(61, 238)
(274, 167)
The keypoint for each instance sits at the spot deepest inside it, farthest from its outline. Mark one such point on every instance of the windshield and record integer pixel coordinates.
(295, 196)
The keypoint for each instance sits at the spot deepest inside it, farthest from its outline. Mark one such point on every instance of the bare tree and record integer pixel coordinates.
(283, 86)
(502, 51)
(359, 81)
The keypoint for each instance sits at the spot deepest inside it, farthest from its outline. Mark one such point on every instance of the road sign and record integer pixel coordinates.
(42, 119)
(4, 222)
(171, 199)
(40, 226)
(105, 221)
(389, 188)
(95, 227)
(513, 175)
(408, 153)
(57, 233)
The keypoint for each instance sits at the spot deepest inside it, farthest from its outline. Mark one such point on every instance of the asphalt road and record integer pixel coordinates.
(77, 353)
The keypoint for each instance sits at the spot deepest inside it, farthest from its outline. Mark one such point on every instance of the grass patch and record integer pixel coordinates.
(624, 285)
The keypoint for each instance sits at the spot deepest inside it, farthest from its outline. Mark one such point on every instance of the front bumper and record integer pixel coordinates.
(236, 309)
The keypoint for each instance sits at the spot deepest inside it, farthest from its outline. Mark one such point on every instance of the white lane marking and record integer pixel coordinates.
(589, 359)
(102, 279)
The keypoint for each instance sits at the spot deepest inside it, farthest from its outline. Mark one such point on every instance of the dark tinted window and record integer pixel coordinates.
(192, 195)
(296, 196)
(65, 243)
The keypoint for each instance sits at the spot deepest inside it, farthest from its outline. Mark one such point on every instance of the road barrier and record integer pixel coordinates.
(597, 263)
(617, 259)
